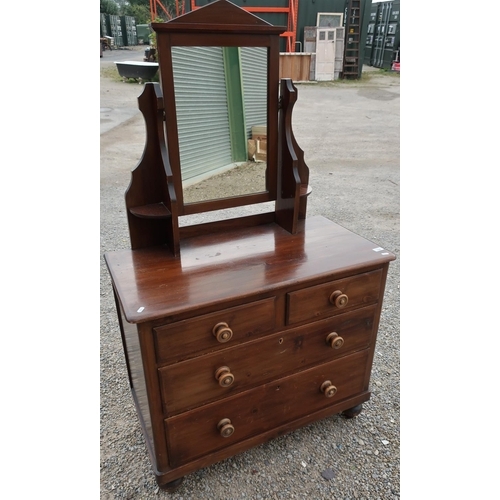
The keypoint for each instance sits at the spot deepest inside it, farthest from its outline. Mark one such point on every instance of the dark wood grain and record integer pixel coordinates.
(152, 183)
(234, 448)
(195, 433)
(190, 338)
(289, 179)
(313, 303)
(152, 211)
(234, 265)
(192, 383)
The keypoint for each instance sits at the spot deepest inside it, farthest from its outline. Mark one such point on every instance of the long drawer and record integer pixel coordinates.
(210, 332)
(215, 426)
(192, 383)
(328, 299)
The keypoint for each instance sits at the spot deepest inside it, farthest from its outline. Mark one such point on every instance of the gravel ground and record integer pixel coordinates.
(350, 134)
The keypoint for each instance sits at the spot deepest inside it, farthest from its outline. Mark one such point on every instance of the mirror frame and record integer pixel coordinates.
(219, 24)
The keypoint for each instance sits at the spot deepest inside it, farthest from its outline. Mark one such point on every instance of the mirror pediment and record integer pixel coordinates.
(218, 16)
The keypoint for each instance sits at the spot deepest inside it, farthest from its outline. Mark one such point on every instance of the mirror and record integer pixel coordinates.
(243, 51)
(158, 199)
(221, 112)
(219, 78)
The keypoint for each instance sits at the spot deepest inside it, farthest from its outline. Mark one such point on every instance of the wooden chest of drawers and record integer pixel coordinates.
(246, 336)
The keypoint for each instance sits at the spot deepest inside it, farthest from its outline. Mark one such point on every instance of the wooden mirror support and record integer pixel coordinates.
(239, 330)
(154, 199)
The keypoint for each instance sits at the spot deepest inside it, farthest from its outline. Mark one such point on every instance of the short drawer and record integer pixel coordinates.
(229, 327)
(215, 426)
(333, 298)
(192, 383)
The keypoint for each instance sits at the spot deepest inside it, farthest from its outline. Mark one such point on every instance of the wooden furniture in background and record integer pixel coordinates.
(296, 66)
(238, 330)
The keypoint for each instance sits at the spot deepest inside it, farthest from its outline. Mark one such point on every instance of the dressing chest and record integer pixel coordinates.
(242, 329)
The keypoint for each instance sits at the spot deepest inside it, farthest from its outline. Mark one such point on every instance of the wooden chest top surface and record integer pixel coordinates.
(216, 268)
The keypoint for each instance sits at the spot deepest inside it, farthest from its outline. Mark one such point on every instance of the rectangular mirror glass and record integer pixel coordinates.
(221, 107)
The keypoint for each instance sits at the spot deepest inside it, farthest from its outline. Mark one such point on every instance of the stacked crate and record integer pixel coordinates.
(104, 25)
(115, 30)
(129, 30)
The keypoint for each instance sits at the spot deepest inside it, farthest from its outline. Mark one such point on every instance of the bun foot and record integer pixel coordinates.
(352, 412)
(172, 486)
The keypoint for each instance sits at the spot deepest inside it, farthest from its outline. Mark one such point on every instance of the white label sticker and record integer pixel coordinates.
(140, 309)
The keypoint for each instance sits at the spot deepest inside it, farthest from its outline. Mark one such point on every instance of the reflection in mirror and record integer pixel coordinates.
(241, 178)
(221, 106)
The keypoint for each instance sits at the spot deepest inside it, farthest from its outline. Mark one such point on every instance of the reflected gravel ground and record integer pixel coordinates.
(350, 134)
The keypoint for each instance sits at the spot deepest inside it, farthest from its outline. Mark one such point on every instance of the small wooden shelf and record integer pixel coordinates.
(151, 211)
(305, 190)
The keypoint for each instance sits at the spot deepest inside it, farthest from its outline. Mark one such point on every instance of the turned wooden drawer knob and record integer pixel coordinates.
(334, 341)
(339, 299)
(222, 332)
(328, 389)
(224, 376)
(225, 427)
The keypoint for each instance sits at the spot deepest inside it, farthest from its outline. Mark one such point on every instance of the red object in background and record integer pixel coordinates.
(395, 66)
(292, 11)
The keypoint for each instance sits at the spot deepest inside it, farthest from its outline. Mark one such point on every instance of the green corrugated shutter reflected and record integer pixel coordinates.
(202, 109)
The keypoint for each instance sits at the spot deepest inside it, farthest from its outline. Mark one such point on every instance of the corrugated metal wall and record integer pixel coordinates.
(201, 100)
(382, 39)
(202, 112)
(308, 13)
(254, 73)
